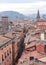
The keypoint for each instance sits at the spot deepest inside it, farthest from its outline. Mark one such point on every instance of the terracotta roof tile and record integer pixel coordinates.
(3, 40)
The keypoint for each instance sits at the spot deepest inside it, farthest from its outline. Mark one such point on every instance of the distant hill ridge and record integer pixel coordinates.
(12, 14)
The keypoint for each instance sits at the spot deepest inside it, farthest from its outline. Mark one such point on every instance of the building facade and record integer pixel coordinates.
(5, 51)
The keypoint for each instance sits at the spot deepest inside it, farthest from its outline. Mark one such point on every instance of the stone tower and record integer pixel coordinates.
(5, 23)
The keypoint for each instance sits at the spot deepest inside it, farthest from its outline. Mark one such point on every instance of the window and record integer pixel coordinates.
(13, 42)
(1, 48)
(2, 58)
(10, 50)
(31, 58)
(5, 46)
(5, 55)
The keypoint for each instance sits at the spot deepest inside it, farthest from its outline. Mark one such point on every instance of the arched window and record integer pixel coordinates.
(10, 50)
(2, 58)
(5, 55)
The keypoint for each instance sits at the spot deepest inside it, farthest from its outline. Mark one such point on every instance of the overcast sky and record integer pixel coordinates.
(19, 1)
(23, 6)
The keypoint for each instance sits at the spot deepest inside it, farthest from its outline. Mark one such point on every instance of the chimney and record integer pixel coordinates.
(42, 36)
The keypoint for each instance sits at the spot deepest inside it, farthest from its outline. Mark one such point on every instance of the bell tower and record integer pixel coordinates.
(5, 23)
(38, 16)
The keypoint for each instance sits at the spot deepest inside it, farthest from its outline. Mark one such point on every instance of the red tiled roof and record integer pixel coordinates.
(30, 45)
(25, 57)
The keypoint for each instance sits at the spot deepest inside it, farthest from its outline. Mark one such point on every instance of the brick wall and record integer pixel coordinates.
(6, 54)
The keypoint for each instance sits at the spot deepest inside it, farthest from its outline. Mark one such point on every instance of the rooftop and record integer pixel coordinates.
(9, 34)
(43, 42)
(13, 35)
(3, 40)
(25, 58)
(30, 45)
(30, 38)
(43, 59)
